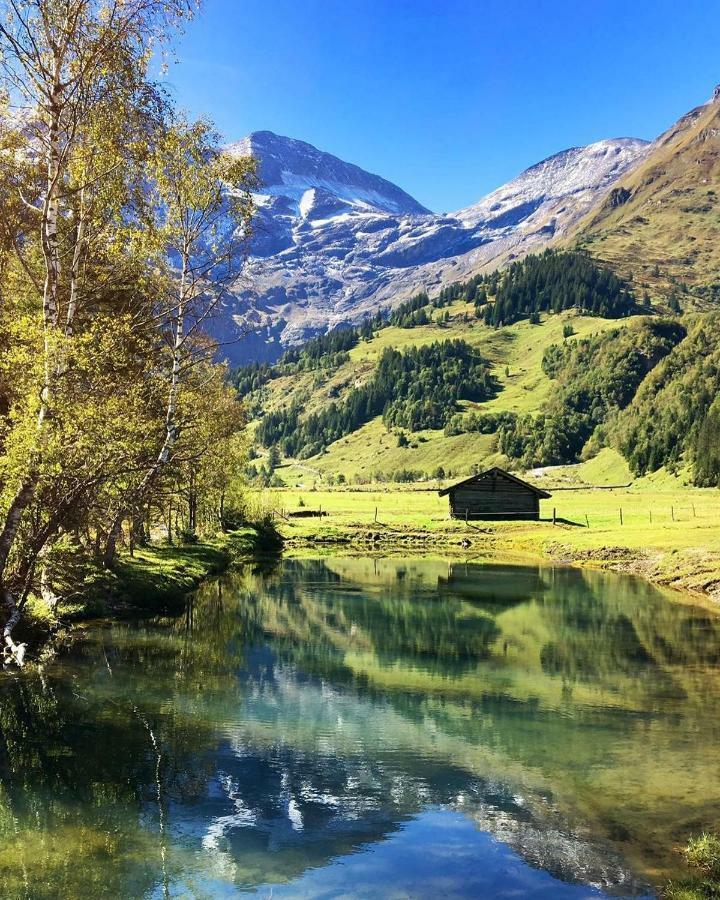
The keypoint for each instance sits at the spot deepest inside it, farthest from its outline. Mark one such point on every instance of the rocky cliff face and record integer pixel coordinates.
(333, 242)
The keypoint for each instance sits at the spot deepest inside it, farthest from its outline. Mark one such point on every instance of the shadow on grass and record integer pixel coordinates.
(559, 520)
(158, 578)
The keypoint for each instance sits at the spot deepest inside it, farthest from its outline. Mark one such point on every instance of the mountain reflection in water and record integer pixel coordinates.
(362, 727)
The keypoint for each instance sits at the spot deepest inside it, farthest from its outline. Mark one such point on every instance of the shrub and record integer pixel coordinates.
(703, 856)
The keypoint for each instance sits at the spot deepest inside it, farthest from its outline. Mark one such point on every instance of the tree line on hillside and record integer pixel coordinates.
(415, 390)
(593, 379)
(555, 281)
(418, 309)
(411, 313)
(706, 450)
(117, 238)
(479, 423)
(325, 351)
(475, 290)
(329, 351)
(674, 415)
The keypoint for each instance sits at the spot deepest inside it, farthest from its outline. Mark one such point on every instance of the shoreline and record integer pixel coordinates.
(155, 580)
(694, 574)
(662, 529)
(158, 578)
(651, 566)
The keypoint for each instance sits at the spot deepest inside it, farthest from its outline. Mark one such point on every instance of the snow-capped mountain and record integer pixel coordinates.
(333, 242)
(296, 171)
(577, 174)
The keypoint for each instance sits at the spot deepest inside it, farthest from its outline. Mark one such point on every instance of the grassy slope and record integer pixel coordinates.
(672, 218)
(515, 352)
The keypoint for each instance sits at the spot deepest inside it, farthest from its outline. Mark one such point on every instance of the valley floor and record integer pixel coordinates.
(658, 528)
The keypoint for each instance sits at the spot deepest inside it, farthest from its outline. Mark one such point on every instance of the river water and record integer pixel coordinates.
(369, 728)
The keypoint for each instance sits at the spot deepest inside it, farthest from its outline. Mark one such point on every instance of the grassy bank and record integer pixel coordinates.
(702, 855)
(659, 527)
(158, 577)
(154, 579)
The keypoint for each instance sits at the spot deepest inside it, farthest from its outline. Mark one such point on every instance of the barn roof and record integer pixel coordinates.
(543, 495)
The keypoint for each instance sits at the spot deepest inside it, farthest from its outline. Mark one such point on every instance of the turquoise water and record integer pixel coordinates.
(369, 728)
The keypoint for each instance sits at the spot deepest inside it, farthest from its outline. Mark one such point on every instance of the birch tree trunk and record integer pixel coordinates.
(171, 424)
(50, 300)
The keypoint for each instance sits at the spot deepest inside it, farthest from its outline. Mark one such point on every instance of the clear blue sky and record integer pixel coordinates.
(448, 98)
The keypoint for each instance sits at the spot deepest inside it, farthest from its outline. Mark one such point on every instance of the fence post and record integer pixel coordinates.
(672, 512)
(587, 521)
(651, 517)
(376, 513)
(621, 516)
(554, 515)
(694, 513)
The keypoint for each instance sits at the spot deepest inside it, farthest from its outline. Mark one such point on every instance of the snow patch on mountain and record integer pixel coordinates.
(333, 243)
(571, 173)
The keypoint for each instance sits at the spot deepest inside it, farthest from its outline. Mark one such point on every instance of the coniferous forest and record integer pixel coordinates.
(415, 390)
(553, 282)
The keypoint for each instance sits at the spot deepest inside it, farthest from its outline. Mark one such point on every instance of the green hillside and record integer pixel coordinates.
(336, 373)
(442, 387)
(661, 223)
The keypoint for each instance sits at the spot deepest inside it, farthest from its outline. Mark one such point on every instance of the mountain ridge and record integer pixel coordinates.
(662, 224)
(334, 243)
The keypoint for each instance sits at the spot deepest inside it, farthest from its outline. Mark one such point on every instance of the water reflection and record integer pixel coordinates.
(328, 725)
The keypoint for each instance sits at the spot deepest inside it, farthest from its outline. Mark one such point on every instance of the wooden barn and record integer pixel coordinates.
(494, 494)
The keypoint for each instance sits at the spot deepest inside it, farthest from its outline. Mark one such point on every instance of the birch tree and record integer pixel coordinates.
(202, 200)
(63, 61)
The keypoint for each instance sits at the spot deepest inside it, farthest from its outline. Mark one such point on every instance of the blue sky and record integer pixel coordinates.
(451, 98)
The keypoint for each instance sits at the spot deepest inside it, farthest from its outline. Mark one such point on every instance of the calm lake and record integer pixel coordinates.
(369, 728)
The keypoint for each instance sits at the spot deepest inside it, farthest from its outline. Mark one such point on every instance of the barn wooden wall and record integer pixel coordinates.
(497, 498)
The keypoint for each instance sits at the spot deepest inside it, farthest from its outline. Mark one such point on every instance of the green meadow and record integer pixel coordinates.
(660, 527)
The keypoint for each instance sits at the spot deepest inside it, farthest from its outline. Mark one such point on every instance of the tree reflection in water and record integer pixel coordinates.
(300, 713)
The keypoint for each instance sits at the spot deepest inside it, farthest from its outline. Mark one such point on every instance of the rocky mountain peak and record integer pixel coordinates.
(290, 168)
(333, 242)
